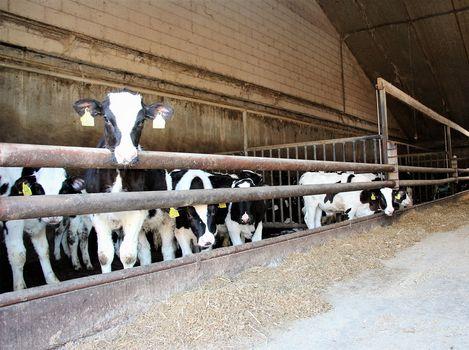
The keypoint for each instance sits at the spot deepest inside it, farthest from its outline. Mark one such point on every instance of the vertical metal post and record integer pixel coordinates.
(392, 159)
(282, 219)
(289, 183)
(454, 165)
(448, 145)
(383, 123)
(272, 184)
(245, 132)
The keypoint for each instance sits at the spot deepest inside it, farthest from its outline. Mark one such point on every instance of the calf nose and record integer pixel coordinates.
(245, 218)
(207, 240)
(389, 212)
(126, 155)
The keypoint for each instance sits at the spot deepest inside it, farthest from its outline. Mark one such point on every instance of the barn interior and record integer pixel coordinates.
(243, 77)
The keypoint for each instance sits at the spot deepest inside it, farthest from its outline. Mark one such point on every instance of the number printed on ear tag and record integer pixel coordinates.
(87, 119)
(159, 122)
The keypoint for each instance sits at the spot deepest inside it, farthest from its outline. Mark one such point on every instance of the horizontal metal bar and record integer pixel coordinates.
(13, 208)
(282, 225)
(426, 182)
(15, 154)
(421, 154)
(409, 100)
(318, 142)
(463, 170)
(422, 169)
(463, 178)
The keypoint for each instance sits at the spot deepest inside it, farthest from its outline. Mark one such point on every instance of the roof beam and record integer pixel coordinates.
(407, 21)
(409, 100)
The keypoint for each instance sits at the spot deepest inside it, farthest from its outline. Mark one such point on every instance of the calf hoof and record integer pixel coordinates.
(77, 267)
(57, 257)
(89, 267)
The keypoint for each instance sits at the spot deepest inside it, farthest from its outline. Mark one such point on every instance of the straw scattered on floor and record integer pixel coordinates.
(225, 313)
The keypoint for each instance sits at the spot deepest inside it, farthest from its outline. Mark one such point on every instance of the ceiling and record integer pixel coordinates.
(421, 46)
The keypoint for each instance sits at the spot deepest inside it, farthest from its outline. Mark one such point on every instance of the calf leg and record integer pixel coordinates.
(13, 233)
(39, 240)
(85, 254)
(105, 245)
(235, 233)
(317, 217)
(258, 233)
(166, 232)
(183, 236)
(144, 249)
(131, 225)
(72, 240)
(57, 242)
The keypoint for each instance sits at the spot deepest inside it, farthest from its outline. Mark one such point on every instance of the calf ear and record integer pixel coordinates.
(93, 106)
(159, 109)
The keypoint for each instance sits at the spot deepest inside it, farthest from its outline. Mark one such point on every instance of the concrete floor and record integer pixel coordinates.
(419, 300)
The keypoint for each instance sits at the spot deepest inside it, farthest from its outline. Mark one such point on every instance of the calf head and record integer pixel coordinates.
(241, 212)
(46, 181)
(379, 200)
(201, 219)
(402, 198)
(124, 114)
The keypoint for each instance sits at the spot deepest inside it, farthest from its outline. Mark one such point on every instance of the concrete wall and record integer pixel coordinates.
(280, 54)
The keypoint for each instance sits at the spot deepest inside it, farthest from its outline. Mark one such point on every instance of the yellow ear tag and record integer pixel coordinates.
(173, 213)
(87, 119)
(159, 122)
(26, 189)
(397, 196)
(222, 205)
(373, 197)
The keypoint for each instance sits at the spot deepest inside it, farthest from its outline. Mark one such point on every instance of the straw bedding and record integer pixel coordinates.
(232, 313)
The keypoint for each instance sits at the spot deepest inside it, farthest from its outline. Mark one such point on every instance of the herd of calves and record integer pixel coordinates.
(192, 228)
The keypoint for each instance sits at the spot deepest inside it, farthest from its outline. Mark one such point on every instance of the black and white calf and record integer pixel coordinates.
(25, 182)
(124, 114)
(195, 225)
(244, 219)
(198, 225)
(355, 204)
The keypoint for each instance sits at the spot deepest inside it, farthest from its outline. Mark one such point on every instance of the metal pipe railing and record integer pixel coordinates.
(421, 169)
(427, 182)
(409, 100)
(14, 154)
(13, 208)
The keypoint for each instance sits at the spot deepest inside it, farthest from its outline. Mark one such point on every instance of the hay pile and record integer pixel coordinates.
(226, 312)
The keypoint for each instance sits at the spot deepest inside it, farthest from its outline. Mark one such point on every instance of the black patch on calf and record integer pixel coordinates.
(379, 203)
(330, 196)
(350, 177)
(3, 189)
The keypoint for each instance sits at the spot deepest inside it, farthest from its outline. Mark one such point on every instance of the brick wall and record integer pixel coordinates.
(283, 45)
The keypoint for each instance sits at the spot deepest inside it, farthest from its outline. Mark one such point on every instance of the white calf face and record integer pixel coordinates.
(125, 114)
(387, 193)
